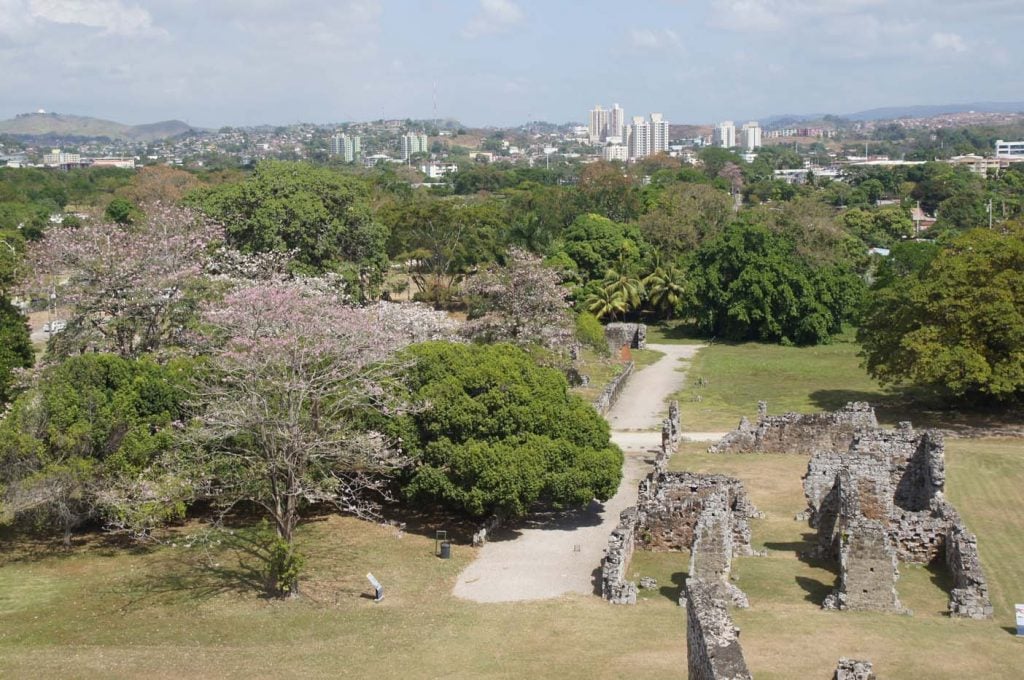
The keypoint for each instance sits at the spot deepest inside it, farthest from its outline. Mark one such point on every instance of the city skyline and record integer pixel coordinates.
(499, 62)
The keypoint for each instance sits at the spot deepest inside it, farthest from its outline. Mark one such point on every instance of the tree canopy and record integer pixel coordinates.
(501, 435)
(955, 321)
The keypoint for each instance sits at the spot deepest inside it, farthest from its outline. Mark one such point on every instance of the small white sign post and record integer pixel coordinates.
(378, 589)
(1018, 609)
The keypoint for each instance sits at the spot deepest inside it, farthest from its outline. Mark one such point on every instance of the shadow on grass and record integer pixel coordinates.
(925, 409)
(815, 589)
(674, 591)
(234, 564)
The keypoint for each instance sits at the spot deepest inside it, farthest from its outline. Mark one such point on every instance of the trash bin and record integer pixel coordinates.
(446, 550)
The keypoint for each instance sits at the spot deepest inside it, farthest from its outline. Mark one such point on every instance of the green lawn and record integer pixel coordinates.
(110, 611)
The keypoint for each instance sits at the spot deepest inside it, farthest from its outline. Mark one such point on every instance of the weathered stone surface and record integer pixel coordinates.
(969, 597)
(895, 477)
(614, 586)
(712, 640)
(854, 669)
(670, 504)
(648, 582)
(798, 432)
(631, 335)
(867, 569)
(712, 551)
(610, 394)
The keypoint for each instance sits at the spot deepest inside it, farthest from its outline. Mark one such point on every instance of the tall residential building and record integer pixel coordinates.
(598, 128)
(751, 136)
(414, 142)
(639, 138)
(616, 122)
(659, 134)
(725, 135)
(346, 147)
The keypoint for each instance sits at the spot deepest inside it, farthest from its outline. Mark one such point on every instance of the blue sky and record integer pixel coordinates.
(500, 62)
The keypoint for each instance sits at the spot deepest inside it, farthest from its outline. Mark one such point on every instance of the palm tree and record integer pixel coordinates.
(605, 302)
(628, 287)
(667, 289)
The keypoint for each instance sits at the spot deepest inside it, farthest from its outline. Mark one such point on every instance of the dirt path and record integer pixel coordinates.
(564, 556)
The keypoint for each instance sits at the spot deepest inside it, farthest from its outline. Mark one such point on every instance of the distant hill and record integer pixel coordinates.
(928, 110)
(64, 125)
(893, 112)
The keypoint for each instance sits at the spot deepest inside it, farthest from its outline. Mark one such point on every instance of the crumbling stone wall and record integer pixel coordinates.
(619, 335)
(969, 597)
(614, 586)
(712, 639)
(712, 551)
(867, 569)
(670, 504)
(676, 510)
(611, 392)
(854, 669)
(906, 470)
(798, 432)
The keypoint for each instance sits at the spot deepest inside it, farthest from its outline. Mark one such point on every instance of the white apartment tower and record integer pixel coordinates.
(346, 147)
(414, 142)
(616, 121)
(751, 135)
(659, 134)
(598, 128)
(725, 134)
(639, 135)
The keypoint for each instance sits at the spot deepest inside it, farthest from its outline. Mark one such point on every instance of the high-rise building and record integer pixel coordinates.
(725, 135)
(659, 134)
(751, 135)
(639, 138)
(58, 157)
(598, 128)
(349, 148)
(414, 142)
(616, 122)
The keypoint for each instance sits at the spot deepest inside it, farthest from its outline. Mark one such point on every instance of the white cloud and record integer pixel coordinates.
(648, 39)
(746, 15)
(947, 41)
(495, 16)
(111, 15)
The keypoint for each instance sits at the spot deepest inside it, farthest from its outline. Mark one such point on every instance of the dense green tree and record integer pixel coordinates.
(121, 211)
(15, 346)
(683, 216)
(502, 435)
(596, 244)
(322, 215)
(955, 321)
(605, 189)
(750, 284)
(91, 423)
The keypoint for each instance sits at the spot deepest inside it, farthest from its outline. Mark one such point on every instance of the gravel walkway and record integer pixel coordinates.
(544, 560)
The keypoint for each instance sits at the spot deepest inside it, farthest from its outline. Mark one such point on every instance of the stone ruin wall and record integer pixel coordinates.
(854, 669)
(614, 586)
(713, 648)
(921, 525)
(670, 504)
(631, 335)
(611, 392)
(676, 510)
(798, 432)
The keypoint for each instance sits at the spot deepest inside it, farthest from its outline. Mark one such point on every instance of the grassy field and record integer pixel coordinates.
(103, 610)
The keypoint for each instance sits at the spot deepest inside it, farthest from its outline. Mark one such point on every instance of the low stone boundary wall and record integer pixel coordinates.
(611, 392)
(614, 586)
(713, 648)
(854, 669)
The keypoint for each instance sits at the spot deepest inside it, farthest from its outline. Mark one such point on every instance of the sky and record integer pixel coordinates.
(500, 62)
